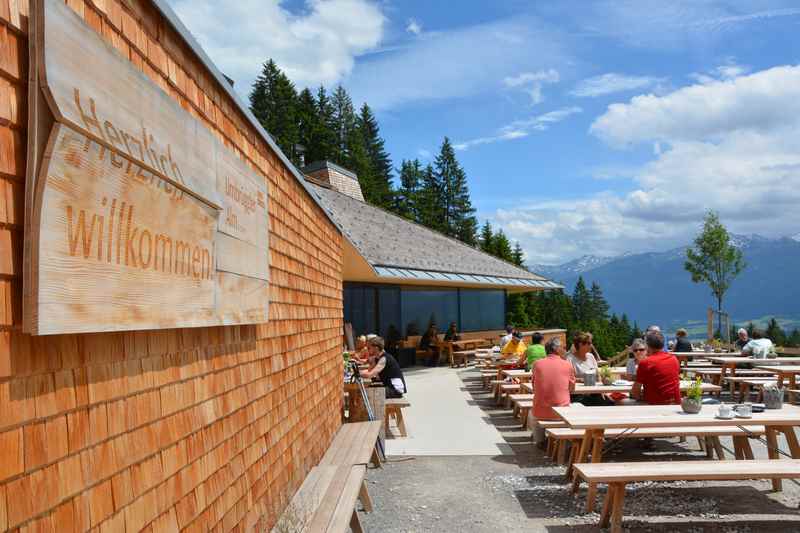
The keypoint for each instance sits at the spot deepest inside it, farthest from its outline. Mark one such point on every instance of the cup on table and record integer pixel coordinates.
(590, 379)
(724, 411)
(744, 410)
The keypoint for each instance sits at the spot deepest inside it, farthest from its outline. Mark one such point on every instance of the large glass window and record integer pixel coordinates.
(420, 307)
(359, 308)
(482, 309)
(394, 312)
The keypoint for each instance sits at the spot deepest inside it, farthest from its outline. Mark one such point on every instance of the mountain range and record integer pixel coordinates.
(654, 288)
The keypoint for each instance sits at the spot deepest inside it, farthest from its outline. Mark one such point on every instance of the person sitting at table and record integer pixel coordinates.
(386, 368)
(581, 356)
(514, 350)
(428, 343)
(361, 354)
(638, 352)
(758, 347)
(535, 351)
(553, 380)
(742, 338)
(505, 339)
(452, 333)
(658, 379)
(682, 343)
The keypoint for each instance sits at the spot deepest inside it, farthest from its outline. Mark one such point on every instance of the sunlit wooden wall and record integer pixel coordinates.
(208, 428)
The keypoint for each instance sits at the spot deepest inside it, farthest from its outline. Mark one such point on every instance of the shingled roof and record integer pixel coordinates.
(396, 247)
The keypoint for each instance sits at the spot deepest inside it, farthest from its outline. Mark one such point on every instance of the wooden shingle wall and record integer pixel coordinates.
(207, 428)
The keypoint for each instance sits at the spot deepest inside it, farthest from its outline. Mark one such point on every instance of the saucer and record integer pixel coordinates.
(725, 417)
(744, 416)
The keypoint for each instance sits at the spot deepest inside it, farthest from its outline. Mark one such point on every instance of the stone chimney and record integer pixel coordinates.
(333, 176)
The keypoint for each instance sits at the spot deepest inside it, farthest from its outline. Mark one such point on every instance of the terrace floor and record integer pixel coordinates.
(467, 466)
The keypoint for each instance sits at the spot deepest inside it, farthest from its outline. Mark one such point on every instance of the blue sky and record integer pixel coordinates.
(585, 127)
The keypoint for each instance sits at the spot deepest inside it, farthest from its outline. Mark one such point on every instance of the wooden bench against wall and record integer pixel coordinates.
(326, 501)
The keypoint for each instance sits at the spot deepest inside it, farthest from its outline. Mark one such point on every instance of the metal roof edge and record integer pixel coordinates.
(470, 278)
(186, 35)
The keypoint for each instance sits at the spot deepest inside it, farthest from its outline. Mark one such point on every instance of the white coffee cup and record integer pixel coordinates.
(744, 410)
(724, 411)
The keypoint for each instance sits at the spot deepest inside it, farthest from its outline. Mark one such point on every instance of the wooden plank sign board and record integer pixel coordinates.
(140, 217)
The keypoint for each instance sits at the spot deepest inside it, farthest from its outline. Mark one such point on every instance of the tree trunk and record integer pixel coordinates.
(719, 316)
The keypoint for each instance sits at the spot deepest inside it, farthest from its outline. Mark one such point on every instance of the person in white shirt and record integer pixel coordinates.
(759, 347)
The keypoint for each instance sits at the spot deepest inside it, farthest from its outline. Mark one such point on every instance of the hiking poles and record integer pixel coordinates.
(357, 379)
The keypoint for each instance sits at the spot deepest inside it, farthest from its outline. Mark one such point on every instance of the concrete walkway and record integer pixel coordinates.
(444, 419)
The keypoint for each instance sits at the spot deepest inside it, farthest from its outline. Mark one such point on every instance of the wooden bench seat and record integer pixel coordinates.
(617, 475)
(707, 438)
(354, 444)
(393, 408)
(504, 390)
(325, 502)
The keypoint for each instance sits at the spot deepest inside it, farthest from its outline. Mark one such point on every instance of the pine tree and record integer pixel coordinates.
(486, 240)
(517, 256)
(406, 197)
(343, 122)
(308, 123)
(459, 217)
(794, 339)
(429, 201)
(273, 101)
(501, 247)
(518, 311)
(598, 306)
(775, 333)
(380, 164)
(324, 146)
(636, 333)
(581, 304)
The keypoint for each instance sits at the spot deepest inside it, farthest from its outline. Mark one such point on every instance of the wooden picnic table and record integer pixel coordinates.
(685, 357)
(517, 373)
(607, 389)
(596, 420)
(730, 364)
(784, 372)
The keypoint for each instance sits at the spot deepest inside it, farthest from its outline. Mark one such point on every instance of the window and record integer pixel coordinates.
(482, 309)
(420, 307)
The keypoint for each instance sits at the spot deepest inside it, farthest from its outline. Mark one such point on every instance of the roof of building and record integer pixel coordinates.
(324, 163)
(401, 249)
(226, 85)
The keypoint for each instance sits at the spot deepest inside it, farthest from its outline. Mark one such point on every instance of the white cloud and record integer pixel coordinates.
(731, 69)
(412, 26)
(612, 83)
(761, 101)
(532, 82)
(521, 128)
(315, 47)
(424, 154)
(457, 63)
(732, 146)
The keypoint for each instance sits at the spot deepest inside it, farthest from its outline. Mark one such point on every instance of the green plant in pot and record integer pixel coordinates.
(606, 377)
(693, 401)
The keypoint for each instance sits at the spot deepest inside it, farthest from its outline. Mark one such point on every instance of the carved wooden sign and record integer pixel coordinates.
(138, 217)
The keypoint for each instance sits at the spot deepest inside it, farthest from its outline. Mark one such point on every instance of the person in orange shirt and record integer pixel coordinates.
(553, 381)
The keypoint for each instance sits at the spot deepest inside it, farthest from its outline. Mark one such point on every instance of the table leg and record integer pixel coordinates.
(616, 509)
(791, 440)
(718, 448)
(792, 386)
(597, 456)
(583, 453)
(772, 450)
(605, 514)
(738, 452)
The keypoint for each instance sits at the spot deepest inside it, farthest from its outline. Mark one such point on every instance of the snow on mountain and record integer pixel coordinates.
(576, 266)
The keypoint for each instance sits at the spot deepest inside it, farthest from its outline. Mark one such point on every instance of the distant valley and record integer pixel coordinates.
(654, 288)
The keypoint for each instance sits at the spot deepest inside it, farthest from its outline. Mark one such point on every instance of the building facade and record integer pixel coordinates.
(165, 429)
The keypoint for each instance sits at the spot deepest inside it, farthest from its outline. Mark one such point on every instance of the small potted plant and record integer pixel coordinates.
(606, 377)
(692, 403)
(773, 396)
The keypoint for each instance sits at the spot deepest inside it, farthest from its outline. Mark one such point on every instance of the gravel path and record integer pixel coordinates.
(526, 492)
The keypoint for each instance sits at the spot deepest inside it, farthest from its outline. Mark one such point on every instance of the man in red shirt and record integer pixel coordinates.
(658, 374)
(553, 380)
